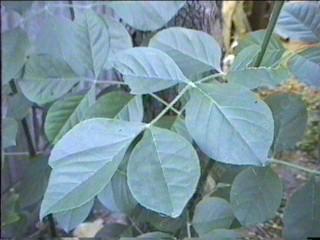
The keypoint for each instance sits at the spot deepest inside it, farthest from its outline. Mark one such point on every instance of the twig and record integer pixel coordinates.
(164, 103)
(295, 166)
(273, 20)
(188, 225)
(135, 225)
(71, 10)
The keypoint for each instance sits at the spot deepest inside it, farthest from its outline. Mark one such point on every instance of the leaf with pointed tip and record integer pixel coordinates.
(118, 104)
(148, 70)
(290, 119)
(212, 213)
(170, 169)
(306, 66)
(14, 49)
(299, 21)
(252, 77)
(155, 13)
(238, 125)
(66, 113)
(119, 39)
(69, 219)
(46, 79)
(193, 51)
(255, 195)
(9, 131)
(82, 166)
(302, 214)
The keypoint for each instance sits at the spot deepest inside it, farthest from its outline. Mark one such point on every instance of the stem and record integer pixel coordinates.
(170, 105)
(164, 103)
(52, 226)
(188, 225)
(210, 77)
(273, 20)
(292, 165)
(71, 10)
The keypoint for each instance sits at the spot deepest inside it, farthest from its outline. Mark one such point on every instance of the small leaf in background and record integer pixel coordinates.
(163, 171)
(212, 213)
(46, 79)
(70, 219)
(290, 120)
(306, 66)
(299, 21)
(148, 70)
(9, 132)
(238, 125)
(302, 214)
(84, 161)
(19, 6)
(155, 13)
(256, 38)
(14, 49)
(66, 113)
(118, 104)
(252, 77)
(255, 195)
(193, 51)
(34, 182)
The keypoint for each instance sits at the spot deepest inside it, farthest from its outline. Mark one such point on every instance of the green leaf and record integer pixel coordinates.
(70, 219)
(118, 104)
(212, 213)
(236, 126)
(247, 56)
(300, 22)
(256, 38)
(302, 214)
(290, 119)
(193, 51)
(119, 39)
(9, 131)
(18, 106)
(19, 6)
(46, 79)
(255, 195)
(252, 77)
(34, 182)
(84, 161)
(14, 49)
(83, 44)
(222, 234)
(147, 70)
(163, 171)
(66, 113)
(306, 66)
(155, 13)
(156, 235)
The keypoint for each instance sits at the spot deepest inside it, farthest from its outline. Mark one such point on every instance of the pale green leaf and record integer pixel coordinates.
(66, 113)
(84, 161)
(119, 39)
(163, 171)
(193, 51)
(306, 66)
(118, 104)
(302, 214)
(14, 49)
(46, 79)
(155, 13)
(252, 77)
(212, 213)
(230, 123)
(290, 119)
(255, 195)
(299, 21)
(70, 219)
(9, 132)
(147, 70)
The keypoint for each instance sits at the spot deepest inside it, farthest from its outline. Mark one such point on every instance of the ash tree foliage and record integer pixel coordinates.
(104, 148)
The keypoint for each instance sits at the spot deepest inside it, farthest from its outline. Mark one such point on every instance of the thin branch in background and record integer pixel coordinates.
(133, 224)
(164, 103)
(295, 166)
(72, 15)
(273, 20)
